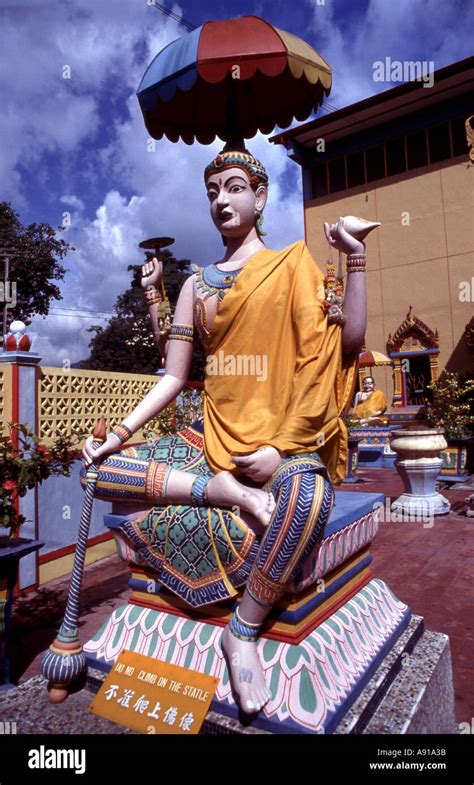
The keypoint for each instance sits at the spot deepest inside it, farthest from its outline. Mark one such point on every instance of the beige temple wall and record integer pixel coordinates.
(421, 264)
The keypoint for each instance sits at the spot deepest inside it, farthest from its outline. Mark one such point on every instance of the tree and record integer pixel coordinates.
(126, 344)
(34, 252)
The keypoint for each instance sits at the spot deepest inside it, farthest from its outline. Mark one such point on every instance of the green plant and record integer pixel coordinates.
(25, 463)
(450, 407)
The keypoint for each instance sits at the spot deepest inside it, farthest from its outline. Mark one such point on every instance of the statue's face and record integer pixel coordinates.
(368, 384)
(233, 201)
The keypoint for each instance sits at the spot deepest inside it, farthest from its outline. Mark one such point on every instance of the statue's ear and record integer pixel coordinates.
(261, 195)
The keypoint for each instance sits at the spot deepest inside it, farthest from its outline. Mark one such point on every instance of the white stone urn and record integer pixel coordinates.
(418, 463)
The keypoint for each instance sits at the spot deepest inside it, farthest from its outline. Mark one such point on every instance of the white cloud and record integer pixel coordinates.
(403, 30)
(44, 112)
(147, 193)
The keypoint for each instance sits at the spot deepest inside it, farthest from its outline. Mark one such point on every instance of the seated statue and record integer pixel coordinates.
(242, 497)
(370, 404)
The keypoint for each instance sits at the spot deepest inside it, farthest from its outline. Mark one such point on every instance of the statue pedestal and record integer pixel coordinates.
(374, 446)
(321, 646)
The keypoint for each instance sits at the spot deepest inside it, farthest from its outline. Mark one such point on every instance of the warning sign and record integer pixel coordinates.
(152, 696)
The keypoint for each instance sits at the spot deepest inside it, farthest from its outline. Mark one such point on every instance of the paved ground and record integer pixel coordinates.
(428, 568)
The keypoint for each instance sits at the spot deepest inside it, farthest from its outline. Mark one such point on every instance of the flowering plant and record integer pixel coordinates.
(450, 407)
(184, 411)
(24, 463)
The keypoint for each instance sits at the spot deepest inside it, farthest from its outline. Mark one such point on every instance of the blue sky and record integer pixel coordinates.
(79, 145)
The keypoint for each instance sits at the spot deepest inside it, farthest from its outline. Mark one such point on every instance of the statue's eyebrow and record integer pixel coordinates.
(233, 177)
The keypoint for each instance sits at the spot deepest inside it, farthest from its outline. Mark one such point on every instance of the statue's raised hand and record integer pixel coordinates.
(111, 445)
(339, 238)
(152, 273)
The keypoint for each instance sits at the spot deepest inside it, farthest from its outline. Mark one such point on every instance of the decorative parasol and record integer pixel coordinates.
(369, 359)
(231, 78)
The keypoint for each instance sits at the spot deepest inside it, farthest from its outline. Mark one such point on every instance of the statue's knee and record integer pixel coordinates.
(307, 491)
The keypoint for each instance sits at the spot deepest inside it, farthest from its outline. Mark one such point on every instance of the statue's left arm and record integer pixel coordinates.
(355, 299)
(355, 310)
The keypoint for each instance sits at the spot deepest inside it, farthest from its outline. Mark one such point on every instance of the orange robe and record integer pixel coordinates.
(375, 402)
(274, 311)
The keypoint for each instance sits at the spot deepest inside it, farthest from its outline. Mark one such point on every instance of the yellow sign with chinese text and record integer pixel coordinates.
(152, 696)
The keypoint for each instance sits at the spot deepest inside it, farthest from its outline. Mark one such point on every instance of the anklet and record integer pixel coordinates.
(243, 630)
(199, 490)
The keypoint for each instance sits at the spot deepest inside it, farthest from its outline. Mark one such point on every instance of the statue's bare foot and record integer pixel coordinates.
(226, 490)
(246, 673)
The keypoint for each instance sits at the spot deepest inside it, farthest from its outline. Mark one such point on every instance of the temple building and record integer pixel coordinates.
(403, 157)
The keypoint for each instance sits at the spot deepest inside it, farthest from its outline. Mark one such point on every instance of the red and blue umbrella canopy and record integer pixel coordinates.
(231, 78)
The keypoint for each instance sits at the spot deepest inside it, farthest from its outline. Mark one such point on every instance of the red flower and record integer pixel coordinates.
(43, 450)
(10, 485)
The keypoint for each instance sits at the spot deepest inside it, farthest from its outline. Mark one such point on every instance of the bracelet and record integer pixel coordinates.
(153, 296)
(123, 432)
(356, 263)
(199, 490)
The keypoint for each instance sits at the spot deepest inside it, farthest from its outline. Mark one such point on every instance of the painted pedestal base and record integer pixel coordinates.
(374, 447)
(313, 683)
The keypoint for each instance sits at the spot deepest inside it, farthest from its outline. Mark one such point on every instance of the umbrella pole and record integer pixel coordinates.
(65, 661)
(234, 139)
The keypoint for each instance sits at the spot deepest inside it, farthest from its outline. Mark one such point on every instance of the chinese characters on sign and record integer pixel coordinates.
(152, 696)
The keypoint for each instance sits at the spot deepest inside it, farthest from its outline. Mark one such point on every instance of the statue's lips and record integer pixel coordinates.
(225, 216)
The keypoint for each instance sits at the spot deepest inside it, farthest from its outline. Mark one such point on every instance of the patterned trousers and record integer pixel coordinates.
(304, 498)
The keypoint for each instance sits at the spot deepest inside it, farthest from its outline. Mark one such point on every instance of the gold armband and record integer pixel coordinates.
(181, 332)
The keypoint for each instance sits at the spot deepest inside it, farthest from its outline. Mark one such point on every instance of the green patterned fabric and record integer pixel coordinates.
(203, 554)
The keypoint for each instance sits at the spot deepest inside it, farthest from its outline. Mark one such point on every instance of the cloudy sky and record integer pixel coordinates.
(79, 145)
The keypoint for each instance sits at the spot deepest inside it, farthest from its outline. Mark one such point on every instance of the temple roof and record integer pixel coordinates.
(412, 326)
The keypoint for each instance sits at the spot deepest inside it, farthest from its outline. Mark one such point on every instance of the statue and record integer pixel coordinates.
(370, 404)
(242, 497)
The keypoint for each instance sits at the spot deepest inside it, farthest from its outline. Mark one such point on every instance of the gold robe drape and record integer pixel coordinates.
(274, 311)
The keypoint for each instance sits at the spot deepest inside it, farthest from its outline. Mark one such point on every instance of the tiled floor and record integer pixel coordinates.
(430, 569)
